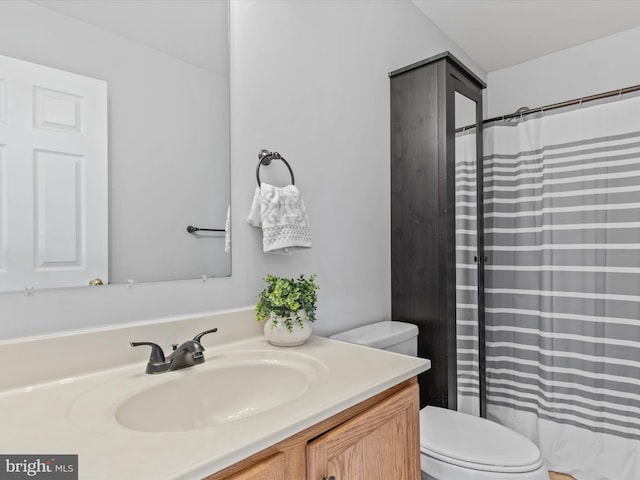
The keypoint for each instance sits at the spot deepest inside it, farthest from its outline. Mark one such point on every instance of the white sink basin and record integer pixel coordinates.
(229, 387)
(212, 397)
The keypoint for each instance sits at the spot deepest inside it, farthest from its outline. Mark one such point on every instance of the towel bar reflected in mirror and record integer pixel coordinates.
(192, 229)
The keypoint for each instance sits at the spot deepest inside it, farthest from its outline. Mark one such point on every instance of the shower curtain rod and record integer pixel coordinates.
(568, 103)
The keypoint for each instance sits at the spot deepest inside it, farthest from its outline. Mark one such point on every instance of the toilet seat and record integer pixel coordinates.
(475, 443)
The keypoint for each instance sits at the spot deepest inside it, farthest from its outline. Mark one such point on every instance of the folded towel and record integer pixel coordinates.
(281, 213)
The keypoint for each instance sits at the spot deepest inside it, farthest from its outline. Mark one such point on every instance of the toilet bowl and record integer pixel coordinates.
(458, 446)
(455, 445)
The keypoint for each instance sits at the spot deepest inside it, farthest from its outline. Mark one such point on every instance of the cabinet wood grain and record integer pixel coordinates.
(273, 468)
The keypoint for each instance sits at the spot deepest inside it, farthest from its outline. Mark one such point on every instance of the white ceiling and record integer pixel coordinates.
(495, 33)
(500, 33)
(192, 30)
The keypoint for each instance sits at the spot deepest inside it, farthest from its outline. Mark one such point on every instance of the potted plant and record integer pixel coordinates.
(288, 307)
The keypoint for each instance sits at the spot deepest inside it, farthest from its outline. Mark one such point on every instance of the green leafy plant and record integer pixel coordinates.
(285, 297)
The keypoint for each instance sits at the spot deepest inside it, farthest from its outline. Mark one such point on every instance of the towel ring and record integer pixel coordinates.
(265, 157)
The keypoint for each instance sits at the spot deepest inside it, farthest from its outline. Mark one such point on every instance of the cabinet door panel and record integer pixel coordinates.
(270, 469)
(382, 443)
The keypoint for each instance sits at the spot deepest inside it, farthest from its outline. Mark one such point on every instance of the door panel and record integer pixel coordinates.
(380, 444)
(58, 209)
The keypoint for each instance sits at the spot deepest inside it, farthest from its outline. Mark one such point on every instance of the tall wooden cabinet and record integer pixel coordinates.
(423, 223)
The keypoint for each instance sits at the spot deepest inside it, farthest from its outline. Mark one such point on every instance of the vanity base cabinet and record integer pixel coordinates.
(376, 439)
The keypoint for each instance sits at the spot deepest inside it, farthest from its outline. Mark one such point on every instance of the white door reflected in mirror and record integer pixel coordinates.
(53, 171)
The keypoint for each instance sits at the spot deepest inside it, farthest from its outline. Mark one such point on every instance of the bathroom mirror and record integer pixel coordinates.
(166, 68)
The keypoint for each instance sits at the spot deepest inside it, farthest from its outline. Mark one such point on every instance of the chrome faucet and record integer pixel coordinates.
(187, 354)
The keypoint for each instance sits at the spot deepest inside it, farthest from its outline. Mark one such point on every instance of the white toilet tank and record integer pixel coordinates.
(399, 337)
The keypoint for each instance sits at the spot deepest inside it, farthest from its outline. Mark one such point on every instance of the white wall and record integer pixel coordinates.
(594, 67)
(308, 79)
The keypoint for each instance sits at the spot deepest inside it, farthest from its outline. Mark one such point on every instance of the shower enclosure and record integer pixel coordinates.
(562, 218)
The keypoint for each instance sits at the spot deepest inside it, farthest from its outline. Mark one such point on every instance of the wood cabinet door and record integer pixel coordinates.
(382, 443)
(272, 468)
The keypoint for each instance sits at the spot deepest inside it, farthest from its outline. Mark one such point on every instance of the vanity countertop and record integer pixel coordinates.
(77, 414)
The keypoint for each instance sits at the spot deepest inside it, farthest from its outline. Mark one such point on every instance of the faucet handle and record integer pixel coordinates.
(200, 335)
(157, 363)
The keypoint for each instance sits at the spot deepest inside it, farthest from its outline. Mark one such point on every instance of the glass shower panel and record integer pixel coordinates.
(468, 392)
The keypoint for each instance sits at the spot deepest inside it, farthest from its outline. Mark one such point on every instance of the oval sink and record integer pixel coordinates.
(204, 398)
(232, 385)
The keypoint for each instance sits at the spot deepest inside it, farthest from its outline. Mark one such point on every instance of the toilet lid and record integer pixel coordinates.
(474, 442)
(379, 335)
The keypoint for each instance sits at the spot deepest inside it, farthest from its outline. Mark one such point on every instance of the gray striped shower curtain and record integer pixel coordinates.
(562, 234)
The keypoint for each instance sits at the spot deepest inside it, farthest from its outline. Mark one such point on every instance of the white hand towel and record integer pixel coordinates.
(281, 213)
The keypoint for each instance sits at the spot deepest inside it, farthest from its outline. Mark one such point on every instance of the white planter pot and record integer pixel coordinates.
(277, 333)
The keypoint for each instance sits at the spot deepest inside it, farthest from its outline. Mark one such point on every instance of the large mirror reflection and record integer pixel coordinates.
(164, 132)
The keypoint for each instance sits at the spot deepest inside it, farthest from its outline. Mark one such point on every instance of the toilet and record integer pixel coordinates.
(455, 445)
